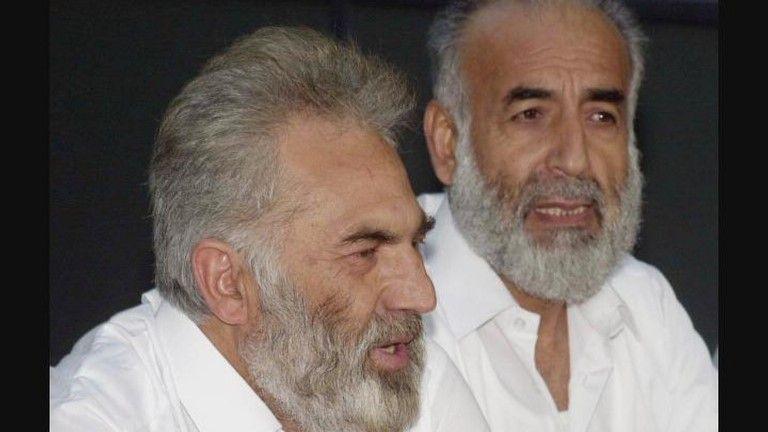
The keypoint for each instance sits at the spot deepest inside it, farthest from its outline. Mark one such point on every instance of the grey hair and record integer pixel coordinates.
(214, 171)
(446, 33)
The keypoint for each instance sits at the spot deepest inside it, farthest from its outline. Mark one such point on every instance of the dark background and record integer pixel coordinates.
(115, 65)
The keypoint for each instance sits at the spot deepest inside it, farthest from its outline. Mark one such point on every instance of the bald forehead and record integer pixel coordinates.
(529, 28)
(541, 11)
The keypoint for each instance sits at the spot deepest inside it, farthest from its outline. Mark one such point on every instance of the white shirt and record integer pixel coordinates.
(637, 364)
(150, 368)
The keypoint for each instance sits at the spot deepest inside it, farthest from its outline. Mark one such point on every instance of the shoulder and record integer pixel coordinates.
(631, 271)
(648, 298)
(640, 285)
(660, 321)
(106, 382)
(664, 330)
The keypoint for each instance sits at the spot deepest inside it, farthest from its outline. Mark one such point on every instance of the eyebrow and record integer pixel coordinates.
(522, 93)
(595, 95)
(427, 223)
(605, 95)
(371, 234)
(386, 236)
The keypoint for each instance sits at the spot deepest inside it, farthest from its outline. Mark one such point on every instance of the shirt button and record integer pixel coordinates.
(519, 324)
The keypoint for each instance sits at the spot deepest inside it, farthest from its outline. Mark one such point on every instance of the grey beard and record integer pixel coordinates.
(574, 265)
(308, 363)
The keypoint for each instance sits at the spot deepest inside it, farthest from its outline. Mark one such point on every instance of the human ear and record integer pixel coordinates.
(441, 135)
(222, 281)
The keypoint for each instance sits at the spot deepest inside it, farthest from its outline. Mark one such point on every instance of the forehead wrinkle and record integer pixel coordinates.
(382, 218)
(389, 224)
(578, 58)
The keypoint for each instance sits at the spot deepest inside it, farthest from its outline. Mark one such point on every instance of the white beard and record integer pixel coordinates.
(319, 373)
(574, 265)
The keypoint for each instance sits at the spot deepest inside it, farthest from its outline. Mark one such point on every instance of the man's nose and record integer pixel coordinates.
(569, 154)
(409, 288)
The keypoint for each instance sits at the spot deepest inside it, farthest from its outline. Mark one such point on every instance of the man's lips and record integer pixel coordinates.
(393, 355)
(562, 213)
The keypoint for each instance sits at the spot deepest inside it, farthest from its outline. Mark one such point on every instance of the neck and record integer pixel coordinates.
(552, 354)
(553, 314)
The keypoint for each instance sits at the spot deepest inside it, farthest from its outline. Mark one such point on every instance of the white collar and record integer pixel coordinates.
(471, 293)
(216, 397)
(467, 288)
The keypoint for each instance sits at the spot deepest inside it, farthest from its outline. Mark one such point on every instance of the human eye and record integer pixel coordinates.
(362, 260)
(603, 117)
(367, 253)
(529, 114)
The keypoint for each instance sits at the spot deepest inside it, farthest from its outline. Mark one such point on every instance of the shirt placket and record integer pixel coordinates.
(591, 367)
(520, 329)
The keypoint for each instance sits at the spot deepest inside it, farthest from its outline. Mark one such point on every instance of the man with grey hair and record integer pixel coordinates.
(290, 286)
(552, 323)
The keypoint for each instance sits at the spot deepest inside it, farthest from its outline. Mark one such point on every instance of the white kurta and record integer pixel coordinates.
(637, 364)
(150, 368)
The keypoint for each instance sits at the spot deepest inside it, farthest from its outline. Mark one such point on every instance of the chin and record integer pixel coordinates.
(564, 238)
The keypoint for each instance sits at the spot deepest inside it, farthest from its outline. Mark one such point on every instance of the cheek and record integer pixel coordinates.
(362, 304)
(347, 301)
(502, 159)
(610, 169)
(315, 281)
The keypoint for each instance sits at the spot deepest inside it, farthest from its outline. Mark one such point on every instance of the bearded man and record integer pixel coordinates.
(552, 323)
(290, 286)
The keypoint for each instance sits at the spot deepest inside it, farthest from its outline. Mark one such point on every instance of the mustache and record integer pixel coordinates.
(383, 330)
(332, 315)
(535, 191)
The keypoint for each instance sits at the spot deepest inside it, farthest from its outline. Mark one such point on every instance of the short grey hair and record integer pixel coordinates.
(214, 171)
(447, 31)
